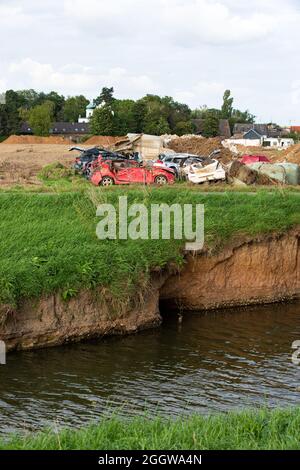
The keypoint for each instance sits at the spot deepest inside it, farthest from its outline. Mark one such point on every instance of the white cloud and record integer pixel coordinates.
(191, 49)
(13, 17)
(202, 92)
(3, 85)
(295, 92)
(212, 21)
(215, 22)
(74, 78)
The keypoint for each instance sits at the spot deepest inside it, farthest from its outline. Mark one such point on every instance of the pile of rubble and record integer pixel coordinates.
(102, 141)
(291, 155)
(198, 145)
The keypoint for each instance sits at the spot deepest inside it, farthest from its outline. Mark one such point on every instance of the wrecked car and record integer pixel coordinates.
(83, 163)
(112, 172)
(208, 170)
(175, 161)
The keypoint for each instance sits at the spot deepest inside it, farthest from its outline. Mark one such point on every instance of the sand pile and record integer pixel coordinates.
(291, 155)
(198, 145)
(32, 139)
(102, 140)
(20, 164)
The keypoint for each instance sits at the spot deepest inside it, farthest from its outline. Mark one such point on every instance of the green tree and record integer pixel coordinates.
(210, 125)
(58, 102)
(158, 127)
(139, 114)
(103, 121)
(41, 118)
(106, 96)
(227, 106)
(74, 107)
(30, 98)
(184, 127)
(24, 114)
(13, 103)
(3, 120)
(124, 118)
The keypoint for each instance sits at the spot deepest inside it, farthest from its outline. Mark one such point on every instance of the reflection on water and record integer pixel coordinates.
(211, 362)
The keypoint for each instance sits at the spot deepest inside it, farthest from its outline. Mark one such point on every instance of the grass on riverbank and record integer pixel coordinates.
(278, 429)
(48, 241)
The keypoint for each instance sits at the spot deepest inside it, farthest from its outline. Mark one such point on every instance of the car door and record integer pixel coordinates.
(122, 174)
(138, 175)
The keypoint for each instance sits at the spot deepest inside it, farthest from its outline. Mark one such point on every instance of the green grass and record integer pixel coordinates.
(255, 430)
(48, 241)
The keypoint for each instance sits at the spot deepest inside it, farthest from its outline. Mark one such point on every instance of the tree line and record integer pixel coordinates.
(150, 114)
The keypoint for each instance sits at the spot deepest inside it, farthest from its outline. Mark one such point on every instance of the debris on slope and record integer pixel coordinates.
(242, 173)
(201, 146)
(291, 155)
(33, 139)
(102, 140)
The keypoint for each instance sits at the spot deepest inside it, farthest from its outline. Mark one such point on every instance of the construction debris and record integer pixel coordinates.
(102, 141)
(149, 147)
(239, 173)
(285, 173)
(198, 145)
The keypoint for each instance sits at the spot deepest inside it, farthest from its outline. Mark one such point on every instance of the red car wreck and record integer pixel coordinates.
(111, 172)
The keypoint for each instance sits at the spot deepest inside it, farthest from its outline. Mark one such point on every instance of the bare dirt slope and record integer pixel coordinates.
(291, 154)
(20, 163)
(200, 146)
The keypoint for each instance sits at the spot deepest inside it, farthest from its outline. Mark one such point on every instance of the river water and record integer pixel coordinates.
(211, 362)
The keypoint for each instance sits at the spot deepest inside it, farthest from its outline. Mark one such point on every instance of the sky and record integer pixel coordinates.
(191, 50)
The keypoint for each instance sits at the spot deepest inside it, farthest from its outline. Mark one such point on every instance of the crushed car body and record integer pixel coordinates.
(109, 173)
(209, 170)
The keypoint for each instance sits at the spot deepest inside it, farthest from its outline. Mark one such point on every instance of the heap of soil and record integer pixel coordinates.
(102, 140)
(32, 139)
(20, 164)
(247, 175)
(291, 154)
(200, 146)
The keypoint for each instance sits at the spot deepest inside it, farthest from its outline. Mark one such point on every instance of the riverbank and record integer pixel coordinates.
(250, 430)
(59, 282)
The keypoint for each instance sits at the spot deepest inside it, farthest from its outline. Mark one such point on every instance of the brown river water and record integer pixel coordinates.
(212, 362)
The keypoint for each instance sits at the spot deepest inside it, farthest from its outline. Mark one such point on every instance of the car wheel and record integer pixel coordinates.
(106, 181)
(160, 179)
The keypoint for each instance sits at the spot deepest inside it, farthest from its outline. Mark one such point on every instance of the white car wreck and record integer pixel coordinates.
(210, 170)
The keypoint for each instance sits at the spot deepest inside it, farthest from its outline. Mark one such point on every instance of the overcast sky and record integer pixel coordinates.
(189, 49)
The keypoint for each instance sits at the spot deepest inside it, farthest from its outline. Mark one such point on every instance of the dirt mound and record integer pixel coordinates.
(20, 164)
(247, 175)
(200, 146)
(32, 139)
(102, 140)
(291, 155)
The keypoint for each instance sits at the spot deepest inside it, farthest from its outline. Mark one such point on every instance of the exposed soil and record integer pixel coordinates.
(102, 141)
(200, 146)
(291, 155)
(51, 321)
(32, 139)
(248, 271)
(20, 164)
